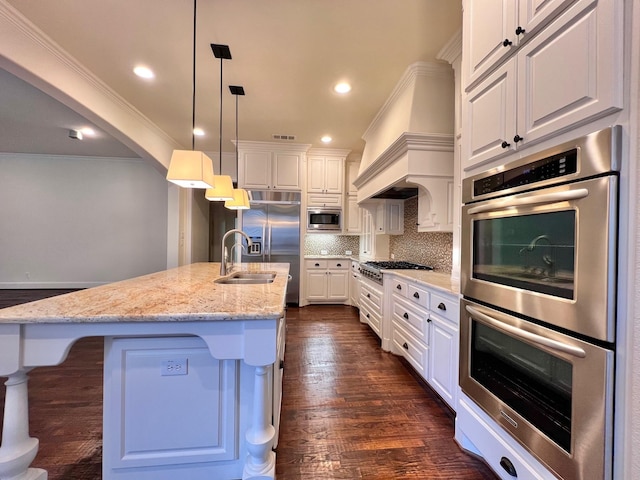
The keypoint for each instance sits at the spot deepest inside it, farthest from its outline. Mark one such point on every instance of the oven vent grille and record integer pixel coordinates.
(277, 136)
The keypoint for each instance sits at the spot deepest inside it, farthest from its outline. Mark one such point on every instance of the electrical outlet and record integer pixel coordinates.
(175, 366)
(323, 252)
(393, 256)
(348, 252)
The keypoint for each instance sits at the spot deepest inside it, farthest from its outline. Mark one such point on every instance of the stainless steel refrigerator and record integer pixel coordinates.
(273, 224)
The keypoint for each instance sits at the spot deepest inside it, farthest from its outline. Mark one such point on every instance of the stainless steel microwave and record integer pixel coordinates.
(324, 219)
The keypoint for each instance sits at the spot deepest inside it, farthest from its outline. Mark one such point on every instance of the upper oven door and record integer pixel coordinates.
(548, 254)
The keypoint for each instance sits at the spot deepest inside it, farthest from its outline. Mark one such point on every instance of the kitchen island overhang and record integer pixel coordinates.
(237, 322)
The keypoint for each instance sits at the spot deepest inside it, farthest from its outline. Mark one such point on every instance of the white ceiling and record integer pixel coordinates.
(287, 54)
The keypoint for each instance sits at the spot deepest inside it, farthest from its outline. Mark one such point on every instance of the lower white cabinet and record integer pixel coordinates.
(424, 330)
(327, 280)
(354, 284)
(371, 303)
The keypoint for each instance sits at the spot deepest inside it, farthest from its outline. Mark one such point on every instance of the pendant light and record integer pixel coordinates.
(223, 185)
(240, 197)
(191, 168)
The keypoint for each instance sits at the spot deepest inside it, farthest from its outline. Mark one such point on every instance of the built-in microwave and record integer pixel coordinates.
(324, 219)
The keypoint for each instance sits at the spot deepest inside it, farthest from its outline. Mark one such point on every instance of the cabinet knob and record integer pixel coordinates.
(405, 346)
(399, 287)
(368, 295)
(368, 316)
(507, 42)
(505, 144)
(508, 466)
(281, 364)
(520, 30)
(406, 316)
(442, 306)
(428, 320)
(317, 264)
(416, 295)
(517, 138)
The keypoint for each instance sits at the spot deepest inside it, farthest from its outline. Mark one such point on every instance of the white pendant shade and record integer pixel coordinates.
(191, 169)
(240, 200)
(222, 189)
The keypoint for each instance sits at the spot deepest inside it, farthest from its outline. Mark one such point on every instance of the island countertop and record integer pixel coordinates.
(183, 294)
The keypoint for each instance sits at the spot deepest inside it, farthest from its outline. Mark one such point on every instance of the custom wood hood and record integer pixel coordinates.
(410, 145)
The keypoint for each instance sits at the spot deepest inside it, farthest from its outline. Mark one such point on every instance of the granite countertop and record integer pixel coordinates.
(184, 294)
(439, 280)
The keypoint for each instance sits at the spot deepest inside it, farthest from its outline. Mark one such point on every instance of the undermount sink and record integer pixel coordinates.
(247, 278)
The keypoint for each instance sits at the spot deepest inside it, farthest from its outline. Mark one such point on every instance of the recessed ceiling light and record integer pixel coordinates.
(198, 132)
(143, 72)
(342, 87)
(88, 131)
(326, 139)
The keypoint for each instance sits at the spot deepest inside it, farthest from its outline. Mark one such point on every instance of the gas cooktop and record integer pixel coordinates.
(373, 270)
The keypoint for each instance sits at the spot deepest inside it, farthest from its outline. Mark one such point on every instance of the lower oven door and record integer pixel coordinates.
(549, 254)
(552, 392)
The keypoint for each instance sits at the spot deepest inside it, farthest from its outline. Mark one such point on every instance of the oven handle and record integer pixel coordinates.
(532, 337)
(514, 201)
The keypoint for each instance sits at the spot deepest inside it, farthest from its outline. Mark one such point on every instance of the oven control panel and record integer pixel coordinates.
(547, 168)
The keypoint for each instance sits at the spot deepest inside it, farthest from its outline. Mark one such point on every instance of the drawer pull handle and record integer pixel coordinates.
(517, 138)
(416, 295)
(339, 265)
(442, 306)
(281, 364)
(508, 466)
(505, 144)
(399, 287)
(368, 295)
(520, 30)
(406, 316)
(368, 316)
(405, 346)
(507, 42)
(317, 264)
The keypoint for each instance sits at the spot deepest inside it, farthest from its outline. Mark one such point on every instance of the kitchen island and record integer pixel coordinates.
(238, 324)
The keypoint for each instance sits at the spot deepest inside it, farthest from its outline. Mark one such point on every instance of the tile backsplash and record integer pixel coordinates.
(430, 248)
(314, 243)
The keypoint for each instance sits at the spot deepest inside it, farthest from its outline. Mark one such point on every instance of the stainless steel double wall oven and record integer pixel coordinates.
(537, 328)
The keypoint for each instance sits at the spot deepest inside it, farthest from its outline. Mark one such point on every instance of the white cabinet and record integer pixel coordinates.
(389, 217)
(366, 240)
(324, 200)
(325, 174)
(355, 217)
(270, 167)
(493, 29)
(425, 331)
(565, 75)
(327, 280)
(371, 303)
(354, 284)
(353, 168)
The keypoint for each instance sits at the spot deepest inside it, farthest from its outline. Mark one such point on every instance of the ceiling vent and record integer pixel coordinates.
(283, 137)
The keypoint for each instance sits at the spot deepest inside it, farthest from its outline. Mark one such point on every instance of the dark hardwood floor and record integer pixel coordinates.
(349, 411)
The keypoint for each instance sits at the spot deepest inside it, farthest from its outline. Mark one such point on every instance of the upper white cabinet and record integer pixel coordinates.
(565, 75)
(267, 166)
(353, 168)
(325, 172)
(389, 217)
(355, 217)
(493, 29)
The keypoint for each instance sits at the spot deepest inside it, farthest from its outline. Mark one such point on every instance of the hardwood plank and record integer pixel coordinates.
(350, 411)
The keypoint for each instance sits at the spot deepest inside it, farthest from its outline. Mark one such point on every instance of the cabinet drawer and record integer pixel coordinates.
(418, 295)
(371, 318)
(372, 296)
(411, 349)
(315, 264)
(445, 308)
(414, 320)
(338, 264)
(324, 200)
(399, 287)
(355, 266)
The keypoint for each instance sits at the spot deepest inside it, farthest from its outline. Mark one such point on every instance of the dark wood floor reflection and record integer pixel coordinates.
(350, 411)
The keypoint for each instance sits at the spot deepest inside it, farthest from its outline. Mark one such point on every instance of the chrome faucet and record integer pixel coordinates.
(223, 262)
(547, 258)
(237, 244)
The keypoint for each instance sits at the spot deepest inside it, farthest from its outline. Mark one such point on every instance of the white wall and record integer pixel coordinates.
(79, 221)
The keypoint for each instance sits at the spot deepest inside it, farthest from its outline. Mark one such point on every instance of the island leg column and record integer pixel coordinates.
(18, 450)
(261, 460)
